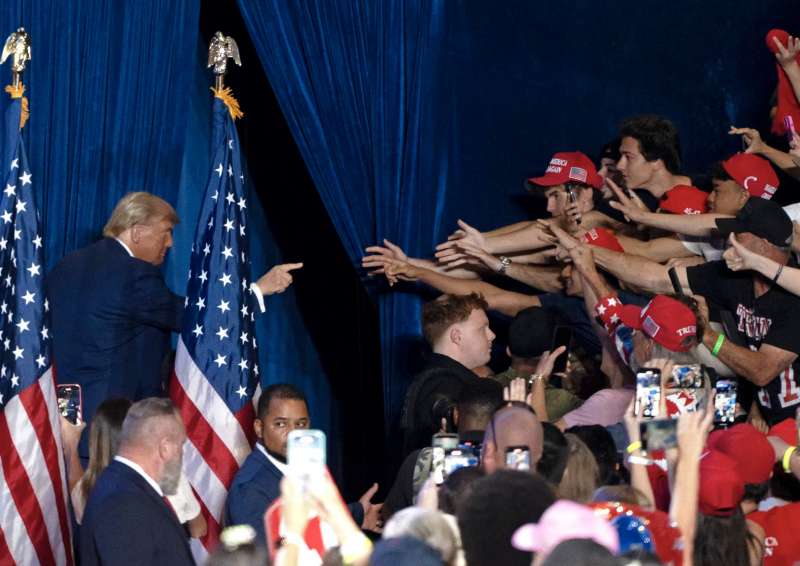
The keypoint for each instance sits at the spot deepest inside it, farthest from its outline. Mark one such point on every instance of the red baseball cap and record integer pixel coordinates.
(721, 486)
(684, 199)
(754, 173)
(786, 430)
(602, 238)
(666, 320)
(749, 448)
(566, 167)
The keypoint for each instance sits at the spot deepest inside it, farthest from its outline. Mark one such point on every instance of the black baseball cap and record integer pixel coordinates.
(762, 218)
(531, 332)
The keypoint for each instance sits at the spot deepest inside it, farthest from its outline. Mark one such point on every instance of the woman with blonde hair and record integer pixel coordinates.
(581, 475)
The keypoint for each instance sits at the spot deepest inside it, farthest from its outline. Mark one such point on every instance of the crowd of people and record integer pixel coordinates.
(648, 412)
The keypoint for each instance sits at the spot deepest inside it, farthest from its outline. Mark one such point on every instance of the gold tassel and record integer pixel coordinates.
(17, 92)
(225, 94)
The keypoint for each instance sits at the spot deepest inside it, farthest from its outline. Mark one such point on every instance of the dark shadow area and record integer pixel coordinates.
(341, 318)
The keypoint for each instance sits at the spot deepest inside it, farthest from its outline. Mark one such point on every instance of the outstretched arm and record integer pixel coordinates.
(500, 300)
(758, 146)
(738, 258)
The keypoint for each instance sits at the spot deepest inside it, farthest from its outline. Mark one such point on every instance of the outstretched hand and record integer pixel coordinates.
(629, 204)
(277, 279)
(739, 258)
(787, 55)
(751, 138)
(451, 250)
(377, 257)
(372, 511)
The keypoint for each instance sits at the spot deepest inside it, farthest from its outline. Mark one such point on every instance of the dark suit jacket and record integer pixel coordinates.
(127, 523)
(255, 486)
(112, 316)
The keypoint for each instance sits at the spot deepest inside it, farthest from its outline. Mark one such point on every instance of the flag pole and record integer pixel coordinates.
(18, 45)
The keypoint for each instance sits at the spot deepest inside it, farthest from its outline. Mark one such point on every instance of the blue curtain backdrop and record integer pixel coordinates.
(411, 114)
(119, 101)
(362, 89)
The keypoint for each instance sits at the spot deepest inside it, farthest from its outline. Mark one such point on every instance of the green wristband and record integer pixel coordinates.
(718, 345)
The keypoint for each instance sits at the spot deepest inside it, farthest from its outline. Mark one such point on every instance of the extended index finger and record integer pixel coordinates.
(291, 266)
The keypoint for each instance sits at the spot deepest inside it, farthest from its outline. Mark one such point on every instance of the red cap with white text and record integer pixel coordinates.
(569, 167)
(754, 173)
(667, 321)
(683, 199)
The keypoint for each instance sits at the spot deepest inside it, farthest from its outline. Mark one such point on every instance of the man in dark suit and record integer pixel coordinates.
(113, 313)
(282, 408)
(127, 520)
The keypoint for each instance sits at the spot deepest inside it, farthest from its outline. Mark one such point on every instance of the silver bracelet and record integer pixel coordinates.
(504, 263)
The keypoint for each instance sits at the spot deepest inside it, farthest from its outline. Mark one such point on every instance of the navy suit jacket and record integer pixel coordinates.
(127, 523)
(255, 486)
(112, 315)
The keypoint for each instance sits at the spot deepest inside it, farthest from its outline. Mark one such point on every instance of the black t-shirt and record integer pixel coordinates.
(442, 379)
(773, 318)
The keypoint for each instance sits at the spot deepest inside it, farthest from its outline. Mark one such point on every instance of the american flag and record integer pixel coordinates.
(216, 369)
(34, 525)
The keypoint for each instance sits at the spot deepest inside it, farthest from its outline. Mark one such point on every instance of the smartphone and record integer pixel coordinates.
(658, 434)
(648, 392)
(70, 402)
(518, 458)
(442, 443)
(573, 199)
(788, 126)
(562, 336)
(687, 376)
(725, 402)
(462, 457)
(306, 455)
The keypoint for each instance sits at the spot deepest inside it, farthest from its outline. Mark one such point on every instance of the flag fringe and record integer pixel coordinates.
(17, 92)
(225, 94)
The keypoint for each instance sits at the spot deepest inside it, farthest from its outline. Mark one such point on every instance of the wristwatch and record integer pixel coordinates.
(504, 263)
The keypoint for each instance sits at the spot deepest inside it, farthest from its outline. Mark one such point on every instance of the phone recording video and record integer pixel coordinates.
(572, 198)
(725, 402)
(788, 126)
(70, 402)
(462, 457)
(648, 392)
(658, 434)
(687, 376)
(306, 455)
(562, 336)
(518, 458)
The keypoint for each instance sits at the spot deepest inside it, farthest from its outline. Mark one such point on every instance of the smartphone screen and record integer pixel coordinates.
(687, 376)
(572, 198)
(725, 402)
(306, 454)
(648, 392)
(518, 458)
(562, 336)
(658, 434)
(788, 126)
(70, 403)
(462, 457)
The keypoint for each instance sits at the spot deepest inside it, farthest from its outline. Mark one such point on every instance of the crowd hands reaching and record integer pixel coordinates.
(670, 306)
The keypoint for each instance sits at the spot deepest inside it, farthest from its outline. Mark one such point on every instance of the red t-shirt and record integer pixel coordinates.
(781, 543)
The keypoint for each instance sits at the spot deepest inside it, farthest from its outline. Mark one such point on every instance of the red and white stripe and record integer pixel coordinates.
(218, 442)
(34, 524)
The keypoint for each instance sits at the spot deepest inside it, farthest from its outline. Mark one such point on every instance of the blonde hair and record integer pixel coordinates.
(138, 208)
(582, 474)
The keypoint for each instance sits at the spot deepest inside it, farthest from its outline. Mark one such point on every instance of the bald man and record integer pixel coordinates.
(512, 426)
(127, 520)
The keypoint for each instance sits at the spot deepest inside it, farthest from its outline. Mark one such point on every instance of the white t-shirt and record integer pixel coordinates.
(710, 248)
